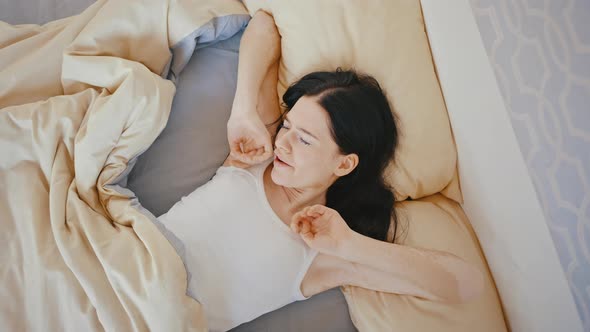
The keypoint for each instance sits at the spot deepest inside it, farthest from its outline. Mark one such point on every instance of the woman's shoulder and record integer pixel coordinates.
(237, 172)
(233, 163)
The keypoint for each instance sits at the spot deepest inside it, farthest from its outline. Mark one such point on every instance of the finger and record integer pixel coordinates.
(305, 221)
(307, 237)
(297, 217)
(255, 153)
(268, 147)
(268, 152)
(318, 209)
(298, 213)
(236, 146)
(294, 217)
(241, 147)
(295, 226)
(253, 159)
(246, 158)
(246, 145)
(302, 212)
(249, 156)
(261, 156)
(306, 228)
(251, 151)
(312, 213)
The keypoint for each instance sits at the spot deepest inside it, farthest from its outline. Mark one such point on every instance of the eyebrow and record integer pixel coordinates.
(303, 130)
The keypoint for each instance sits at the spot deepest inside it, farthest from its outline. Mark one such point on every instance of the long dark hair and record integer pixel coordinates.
(361, 122)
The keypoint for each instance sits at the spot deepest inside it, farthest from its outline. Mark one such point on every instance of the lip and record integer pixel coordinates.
(280, 162)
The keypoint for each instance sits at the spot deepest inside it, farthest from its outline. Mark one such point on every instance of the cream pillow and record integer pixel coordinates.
(387, 40)
(434, 222)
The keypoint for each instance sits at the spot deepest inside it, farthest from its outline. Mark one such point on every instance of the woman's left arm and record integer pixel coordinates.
(431, 274)
(384, 266)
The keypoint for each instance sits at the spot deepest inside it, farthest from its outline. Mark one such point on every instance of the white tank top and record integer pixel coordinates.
(243, 261)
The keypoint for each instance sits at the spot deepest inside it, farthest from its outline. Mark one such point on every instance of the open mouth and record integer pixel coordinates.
(280, 162)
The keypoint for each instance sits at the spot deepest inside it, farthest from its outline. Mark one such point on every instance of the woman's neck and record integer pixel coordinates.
(290, 200)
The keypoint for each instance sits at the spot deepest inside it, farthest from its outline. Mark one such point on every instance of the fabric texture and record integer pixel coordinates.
(80, 98)
(40, 11)
(244, 261)
(387, 40)
(194, 142)
(438, 223)
(326, 311)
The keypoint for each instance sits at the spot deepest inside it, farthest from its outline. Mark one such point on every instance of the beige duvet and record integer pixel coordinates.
(79, 98)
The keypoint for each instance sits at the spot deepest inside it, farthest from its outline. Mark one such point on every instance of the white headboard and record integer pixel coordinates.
(499, 196)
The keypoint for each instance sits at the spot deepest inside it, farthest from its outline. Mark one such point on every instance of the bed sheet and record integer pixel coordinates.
(188, 152)
(40, 11)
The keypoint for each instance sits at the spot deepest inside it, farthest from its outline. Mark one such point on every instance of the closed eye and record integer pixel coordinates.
(303, 141)
(299, 137)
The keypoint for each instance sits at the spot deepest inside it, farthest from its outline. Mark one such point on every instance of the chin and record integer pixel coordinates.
(278, 178)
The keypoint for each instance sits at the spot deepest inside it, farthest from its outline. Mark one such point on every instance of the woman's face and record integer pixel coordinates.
(306, 155)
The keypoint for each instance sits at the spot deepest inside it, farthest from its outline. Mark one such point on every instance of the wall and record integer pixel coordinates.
(540, 52)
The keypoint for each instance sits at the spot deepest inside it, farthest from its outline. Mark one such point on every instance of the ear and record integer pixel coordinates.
(347, 164)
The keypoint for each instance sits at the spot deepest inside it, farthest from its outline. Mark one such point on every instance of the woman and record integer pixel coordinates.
(301, 206)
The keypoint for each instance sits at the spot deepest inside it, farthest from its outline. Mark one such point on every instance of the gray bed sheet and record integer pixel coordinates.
(188, 152)
(190, 149)
(40, 11)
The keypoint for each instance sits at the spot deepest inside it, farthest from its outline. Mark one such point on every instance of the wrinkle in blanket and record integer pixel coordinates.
(79, 99)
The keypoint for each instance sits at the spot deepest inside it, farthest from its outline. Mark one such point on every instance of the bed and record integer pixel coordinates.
(454, 200)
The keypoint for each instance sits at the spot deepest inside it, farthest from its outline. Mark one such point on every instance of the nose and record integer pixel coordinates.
(282, 142)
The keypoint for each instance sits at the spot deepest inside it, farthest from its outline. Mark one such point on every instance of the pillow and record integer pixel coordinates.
(387, 40)
(435, 222)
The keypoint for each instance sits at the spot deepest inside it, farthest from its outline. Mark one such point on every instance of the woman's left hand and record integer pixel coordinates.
(322, 228)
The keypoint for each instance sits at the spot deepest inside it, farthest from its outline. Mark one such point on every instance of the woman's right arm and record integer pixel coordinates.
(250, 142)
(260, 48)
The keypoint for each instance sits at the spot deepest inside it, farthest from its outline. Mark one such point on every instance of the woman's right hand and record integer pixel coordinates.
(249, 141)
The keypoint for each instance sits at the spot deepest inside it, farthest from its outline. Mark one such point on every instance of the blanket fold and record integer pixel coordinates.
(79, 98)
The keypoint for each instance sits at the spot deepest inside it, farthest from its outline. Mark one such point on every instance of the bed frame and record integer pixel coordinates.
(499, 197)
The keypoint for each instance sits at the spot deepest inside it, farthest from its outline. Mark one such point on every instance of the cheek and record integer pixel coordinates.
(306, 160)
(314, 167)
